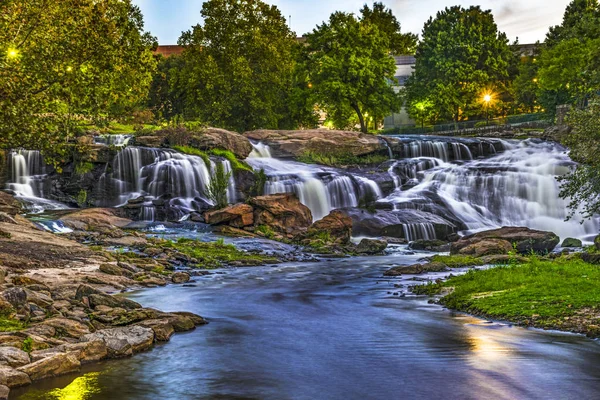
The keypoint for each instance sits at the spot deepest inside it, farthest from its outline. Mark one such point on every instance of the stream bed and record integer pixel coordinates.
(333, 330)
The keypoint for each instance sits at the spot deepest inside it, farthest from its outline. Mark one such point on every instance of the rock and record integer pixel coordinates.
(214, 138)
(111, 269)
(181, 323)
(322, 141)
(123, 341)
(13, 378)
(130, 317)
(435, 245)
(67, 327)
(94, 219)
(112, 301)
(91, 351)
(54, 365)
(337, 225)
(85, 291)
(502, 259)
(525, 240)
(162, 328)
(4, 217)
(4, 392)
(196, 319)
(597, 242)
(38, 298)
(16, 296)
(180, 277)
(371, 246)
(571, 242)
(237, 215)
(150, 141)
(9, 205)
(487, 247)
(13, 357)
(415, 269)
(281, 212)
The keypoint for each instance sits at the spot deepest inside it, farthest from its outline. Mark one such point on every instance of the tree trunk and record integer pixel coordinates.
(363, 127)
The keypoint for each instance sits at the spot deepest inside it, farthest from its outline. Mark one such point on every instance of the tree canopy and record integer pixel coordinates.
(461, 57)
(66, 60)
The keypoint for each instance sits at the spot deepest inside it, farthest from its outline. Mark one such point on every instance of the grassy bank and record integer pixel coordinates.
(562, 294)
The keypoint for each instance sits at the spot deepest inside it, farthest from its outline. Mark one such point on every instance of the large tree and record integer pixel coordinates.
(351, 67)
(239, 65)
(461, 57)
(63, 60)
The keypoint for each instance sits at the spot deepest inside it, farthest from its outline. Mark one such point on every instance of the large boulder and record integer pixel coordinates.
(214, 138)
(487, 247)
(93, 219)
(9, 205)
(336, 225)
(123, 341)
(371, 246)
(67, 327)
(571, 242)
(13, 378)
(396, 223)
(13, 357)
(236, 215)
(323, 141)
(523, 240)
(101, 299)
(54, 365)
(282, 213)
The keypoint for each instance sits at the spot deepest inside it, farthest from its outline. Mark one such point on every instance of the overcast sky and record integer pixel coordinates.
(526, 19)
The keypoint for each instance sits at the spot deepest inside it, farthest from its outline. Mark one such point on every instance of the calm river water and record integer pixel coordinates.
(333, 330)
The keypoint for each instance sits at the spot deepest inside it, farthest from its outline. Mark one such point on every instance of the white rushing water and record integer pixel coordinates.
(113, 140)
(319, 188)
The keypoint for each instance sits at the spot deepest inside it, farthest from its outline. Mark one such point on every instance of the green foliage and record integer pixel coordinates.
(216, 190)
(62, 61)
(340, 159)
(350, 66)
(429, 289)
(215, 254)
(457, 261)
(582, 185)
(238, 67)
(192, 151)
(525, 86)
(236, 164)
(266, 231)
(258, 187)
(82, 197)
(367, 202)
(548, 290)
(27, 345)
(461, 55)
(82, 168)
(387, 24)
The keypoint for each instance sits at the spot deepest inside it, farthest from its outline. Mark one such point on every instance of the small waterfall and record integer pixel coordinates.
(387, 146)
(260, 150)
(414, 232)
(113, 140)
(461, 151)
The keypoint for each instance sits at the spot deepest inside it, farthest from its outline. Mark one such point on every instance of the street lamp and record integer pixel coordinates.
(487, 98)
(12, 53)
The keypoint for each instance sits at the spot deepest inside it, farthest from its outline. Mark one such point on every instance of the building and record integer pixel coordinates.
(404, 69)
(169, 50)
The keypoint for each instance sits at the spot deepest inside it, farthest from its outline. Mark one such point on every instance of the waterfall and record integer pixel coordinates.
(413, 232)
(113, 140)
(159, 175)
(321, 189)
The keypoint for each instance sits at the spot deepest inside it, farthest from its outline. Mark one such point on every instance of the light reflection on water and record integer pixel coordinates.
(335, 330)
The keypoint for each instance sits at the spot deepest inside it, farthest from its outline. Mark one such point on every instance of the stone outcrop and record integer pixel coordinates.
(9, 205)
(336, 225)
(571, 242)
(323, 141)
(214, 138)
(371, 246)
(123, 341)
(283, 213)
(54, 365)
(94, 219)
(13, 357)
(505, 239)
(236, 215)
(11, 377)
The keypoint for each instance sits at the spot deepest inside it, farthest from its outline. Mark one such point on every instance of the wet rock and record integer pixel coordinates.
(215, 138)
(11, 377)
(571, 242)
(54, 365)
(87, 352)
(111, 269)
(94, 219)
(9, 205)
(196, 319)
(180, 323)
(180, 277)
(336, 225)
(4, 392)
(86, 291)
(162, 328)
(523, 239)
(16, 296)
(151, 281)
(40, 299)
(112, 301)
(487, 247)
(130, 317)
(415, 269)
(67, 327)
(123, 341)
(371, 246)
(281, 212)
(236, 215)
(438, 246)
(13, 357)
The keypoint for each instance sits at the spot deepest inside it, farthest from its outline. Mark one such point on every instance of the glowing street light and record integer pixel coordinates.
(487, 99)
(12, 53)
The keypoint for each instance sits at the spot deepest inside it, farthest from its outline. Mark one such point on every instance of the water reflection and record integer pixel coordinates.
(81, 388)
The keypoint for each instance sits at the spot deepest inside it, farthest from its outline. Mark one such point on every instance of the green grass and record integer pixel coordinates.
(457, 261)
(236, 164)
(215, 254)
(8, 324)
(266, 231)
(192, 151)
(340, 159)
(82, 168)
(547, 294)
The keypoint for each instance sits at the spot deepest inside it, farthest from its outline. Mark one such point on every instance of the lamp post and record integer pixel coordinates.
(486, 100)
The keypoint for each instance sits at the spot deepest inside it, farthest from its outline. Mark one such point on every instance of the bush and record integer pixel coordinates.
(216, 191)
(260, 179)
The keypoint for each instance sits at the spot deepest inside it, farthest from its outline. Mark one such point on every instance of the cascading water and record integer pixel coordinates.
(113, 140)
(28, 180)
(145, 178)
(319, 188)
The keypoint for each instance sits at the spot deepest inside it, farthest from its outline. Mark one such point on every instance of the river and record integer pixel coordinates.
(333, 330)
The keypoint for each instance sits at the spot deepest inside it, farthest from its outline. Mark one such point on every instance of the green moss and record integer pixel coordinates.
(541, 293)
(82, 197)
(340, 159)
(82, 168)
(236, 164)
(8, 324)
(215, 254)
(266, 231)
(192, 151)
(457, 261)
(27, 345)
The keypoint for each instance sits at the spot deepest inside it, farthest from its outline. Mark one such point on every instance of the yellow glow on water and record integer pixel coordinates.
(80, 389)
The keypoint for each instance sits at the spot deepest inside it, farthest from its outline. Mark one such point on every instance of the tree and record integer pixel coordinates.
(350, 64)
(382, 17)
(216, 190)
(525, 86)
(461, 56)
(582, 185)
(239, 65)
(67, 60)
(570, 62)
(166, 99)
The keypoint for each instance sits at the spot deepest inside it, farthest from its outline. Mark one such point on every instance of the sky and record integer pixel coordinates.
(526, 19)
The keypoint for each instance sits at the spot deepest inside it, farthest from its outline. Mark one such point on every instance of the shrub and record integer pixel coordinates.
(216, 191)
(258, 188)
